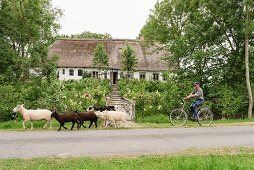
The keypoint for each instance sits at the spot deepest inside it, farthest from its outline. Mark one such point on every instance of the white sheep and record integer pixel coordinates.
(112, 116)
(39, 114)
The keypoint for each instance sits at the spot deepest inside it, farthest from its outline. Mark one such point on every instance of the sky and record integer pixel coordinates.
(120, 18)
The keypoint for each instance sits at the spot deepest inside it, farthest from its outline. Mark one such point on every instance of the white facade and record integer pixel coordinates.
(75, 74)
(66, 73)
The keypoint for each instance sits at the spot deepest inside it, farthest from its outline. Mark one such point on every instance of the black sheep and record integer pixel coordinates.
(88, 116)
(101, 109)
(66, 117)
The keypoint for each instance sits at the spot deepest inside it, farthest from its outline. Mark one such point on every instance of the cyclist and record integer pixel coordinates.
(198, 94)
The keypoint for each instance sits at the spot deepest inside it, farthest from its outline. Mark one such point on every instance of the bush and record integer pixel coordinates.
(159, 98)
(62, 95)
(9, 98)
(152, 98)
(231, 102)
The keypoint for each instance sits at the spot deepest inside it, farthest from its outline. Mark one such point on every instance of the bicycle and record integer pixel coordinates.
(179, 117)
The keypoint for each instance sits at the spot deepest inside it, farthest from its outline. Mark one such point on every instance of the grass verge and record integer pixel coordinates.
(219, 159)
(160, 121)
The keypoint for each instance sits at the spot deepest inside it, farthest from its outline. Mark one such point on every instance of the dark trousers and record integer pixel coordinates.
(195, 105)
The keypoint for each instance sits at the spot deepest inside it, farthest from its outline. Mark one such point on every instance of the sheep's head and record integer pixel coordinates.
(100, 115)
(18, 108)
(90, 108)
(54, 113)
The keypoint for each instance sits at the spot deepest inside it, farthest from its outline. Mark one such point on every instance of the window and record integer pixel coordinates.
(95, 74)
(80, 72)
(130, 75)
(121, 74)
(155, 76)
(142, 76)
(105, 75)
(120, 51)
(71, 72)
(63, 71)
(164, 77)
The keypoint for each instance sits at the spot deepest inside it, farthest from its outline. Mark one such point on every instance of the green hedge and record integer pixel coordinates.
(156, 98)
(152, 98)
(62, 95)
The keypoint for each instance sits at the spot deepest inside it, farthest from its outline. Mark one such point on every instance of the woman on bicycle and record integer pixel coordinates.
(199, 99)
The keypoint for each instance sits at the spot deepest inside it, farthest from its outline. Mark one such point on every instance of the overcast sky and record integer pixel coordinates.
(120, 18)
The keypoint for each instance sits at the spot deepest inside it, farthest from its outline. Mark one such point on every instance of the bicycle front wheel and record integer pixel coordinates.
(205, 117)
(178, 117)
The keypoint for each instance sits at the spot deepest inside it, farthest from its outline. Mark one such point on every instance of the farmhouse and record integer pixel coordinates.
(75, 59)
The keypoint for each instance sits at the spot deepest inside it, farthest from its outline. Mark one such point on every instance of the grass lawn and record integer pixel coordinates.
(213, 159)
(38, 125)
(160, 121)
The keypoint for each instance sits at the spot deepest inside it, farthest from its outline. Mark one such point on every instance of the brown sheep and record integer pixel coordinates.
(66, 117)
(88, 116)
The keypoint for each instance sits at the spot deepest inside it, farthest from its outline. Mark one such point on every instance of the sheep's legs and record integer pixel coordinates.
(124, 123)
(32, 125)
(83, 125)
(46, 124)
(50, 124)
(91, 122)
(105, 123)
(63, 126)
(78, 124)
(114, 123)
(23, 123)
(59, 128)
(95, 122)
(72, 125)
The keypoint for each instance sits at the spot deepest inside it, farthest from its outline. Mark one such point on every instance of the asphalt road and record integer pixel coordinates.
(29, 144)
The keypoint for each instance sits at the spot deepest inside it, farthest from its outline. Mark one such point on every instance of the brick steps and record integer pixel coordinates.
(116, 98)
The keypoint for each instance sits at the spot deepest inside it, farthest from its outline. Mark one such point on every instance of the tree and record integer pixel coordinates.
(129, 59)
(247, 67)
(206, 41)
(27, 28)
(100, 57)
(87, 35)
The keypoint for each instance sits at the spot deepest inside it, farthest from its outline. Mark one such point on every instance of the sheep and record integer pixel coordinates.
(103, 108)
(88, 116)
(66, 117)
(113, 116)
(39, 114)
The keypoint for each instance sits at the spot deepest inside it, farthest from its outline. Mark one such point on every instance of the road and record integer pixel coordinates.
(28, 144)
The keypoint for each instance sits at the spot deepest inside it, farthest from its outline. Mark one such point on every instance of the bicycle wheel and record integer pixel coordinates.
(178, 117)
(205, 117)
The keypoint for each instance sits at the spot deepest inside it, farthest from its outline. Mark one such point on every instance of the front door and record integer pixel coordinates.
(115, 77)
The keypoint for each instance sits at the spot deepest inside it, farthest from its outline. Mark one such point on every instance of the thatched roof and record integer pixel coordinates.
(79, 53)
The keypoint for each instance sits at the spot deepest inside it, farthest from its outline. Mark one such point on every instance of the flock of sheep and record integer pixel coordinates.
(107, 113)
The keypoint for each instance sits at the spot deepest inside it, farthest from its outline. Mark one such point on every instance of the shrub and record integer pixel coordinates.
(158, 98)
(8, 101)
(152, 98)
(232, 103)
(62, 95)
